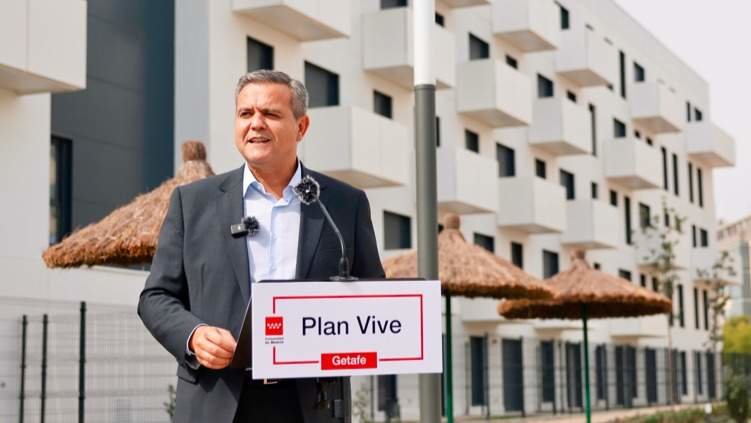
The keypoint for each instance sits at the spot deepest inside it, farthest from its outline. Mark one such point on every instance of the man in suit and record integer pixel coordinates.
(195, 296)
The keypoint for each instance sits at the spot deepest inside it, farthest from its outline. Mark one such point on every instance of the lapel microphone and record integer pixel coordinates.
(247, 227)
(309, 192)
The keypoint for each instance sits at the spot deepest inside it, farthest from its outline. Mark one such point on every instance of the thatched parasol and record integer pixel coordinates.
(582, 292)
(129, 234)
(471, 271)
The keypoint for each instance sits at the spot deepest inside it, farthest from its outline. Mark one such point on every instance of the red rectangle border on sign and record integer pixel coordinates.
(347, 297)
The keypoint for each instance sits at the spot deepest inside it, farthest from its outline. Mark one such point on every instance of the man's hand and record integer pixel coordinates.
(213, 346)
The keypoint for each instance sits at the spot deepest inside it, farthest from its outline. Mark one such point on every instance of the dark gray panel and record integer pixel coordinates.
(115, 54)
(104, 173)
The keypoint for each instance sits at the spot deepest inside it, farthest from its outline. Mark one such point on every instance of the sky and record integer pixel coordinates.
(711, 37)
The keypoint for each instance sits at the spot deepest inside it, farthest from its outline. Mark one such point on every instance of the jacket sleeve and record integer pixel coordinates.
(366, 262)
(164, 304)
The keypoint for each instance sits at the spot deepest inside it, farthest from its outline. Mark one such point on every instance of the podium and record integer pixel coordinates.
(313, 329)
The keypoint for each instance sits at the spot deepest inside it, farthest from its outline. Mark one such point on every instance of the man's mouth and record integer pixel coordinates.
(258, 140)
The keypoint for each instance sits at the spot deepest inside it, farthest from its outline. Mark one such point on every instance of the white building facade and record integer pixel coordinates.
(561, 126)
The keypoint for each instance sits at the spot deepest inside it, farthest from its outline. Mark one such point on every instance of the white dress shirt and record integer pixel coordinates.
(272, 252)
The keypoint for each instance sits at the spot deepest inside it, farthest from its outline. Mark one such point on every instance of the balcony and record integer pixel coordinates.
(646, 248)
(591, 224)
(463, 178)
(560, 127)
(633, 164)
(388, 48)
(494, 93)
(359, 147)
(531, 204)
(529, 26)
(655, 108)
(708, 143)
(44, 46)
(481, 310)
(465, 3)
(586, 59)
(639, 327)
(308, 20)
(702, 260)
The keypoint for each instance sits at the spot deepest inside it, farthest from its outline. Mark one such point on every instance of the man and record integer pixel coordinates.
(196, 294)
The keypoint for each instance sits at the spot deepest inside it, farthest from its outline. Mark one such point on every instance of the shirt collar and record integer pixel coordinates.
(250, 181)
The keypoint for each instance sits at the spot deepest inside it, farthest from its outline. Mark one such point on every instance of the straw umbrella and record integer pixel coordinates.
(582, 293)
(471, 271)
(129, 234)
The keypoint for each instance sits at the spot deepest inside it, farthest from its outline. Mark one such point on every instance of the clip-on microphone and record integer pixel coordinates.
(308, 191)
(248, 226)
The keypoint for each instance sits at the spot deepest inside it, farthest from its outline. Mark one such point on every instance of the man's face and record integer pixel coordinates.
(266, 130)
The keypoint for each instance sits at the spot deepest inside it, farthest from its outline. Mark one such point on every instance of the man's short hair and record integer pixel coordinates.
(265, 76)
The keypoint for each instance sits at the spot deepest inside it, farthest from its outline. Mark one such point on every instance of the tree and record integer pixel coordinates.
(715, 278)
(736, 335)
(661, 242)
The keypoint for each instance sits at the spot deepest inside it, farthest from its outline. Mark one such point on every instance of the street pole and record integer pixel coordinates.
(425, 152)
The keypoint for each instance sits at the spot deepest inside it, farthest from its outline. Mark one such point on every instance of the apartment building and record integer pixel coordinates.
(560, 126)
(734, 238)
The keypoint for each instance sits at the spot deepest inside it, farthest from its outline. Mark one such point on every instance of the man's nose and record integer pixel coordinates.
(257, 121)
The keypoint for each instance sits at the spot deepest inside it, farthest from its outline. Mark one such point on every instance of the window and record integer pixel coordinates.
(549, 263)
(382, 104)
(390, 4)
(437, 131)
(601, 371)
(681, 320)
(323, 86)
(705, 299)
(676, 191)
(690, 183)
(688, 111)
(696, 308)
(511, 61)
(61, 184)
(613, 198)
(643, 280)
(477, 362)
(595, 190)
(655, 284)
(684, 376)
(619, 128)
(478, 49)
(259, 55)
(700, 188)
(627, 218)
(545, 87)
(472, 141)
(694, 238)
(645, 216)
(397, 231)
(387, 393)
(622, 67)
(664, 168)
(565, 18)
(541, 169)
(485, 241)
(625, 274)
(566, 180)
(639, 74)
(440, 20)
(506, 160)
(547, 352)
(704, 238)
(517, 254)
(571, 96)
(666, 218)
(699, 372)
(698, 116)
(593, 127)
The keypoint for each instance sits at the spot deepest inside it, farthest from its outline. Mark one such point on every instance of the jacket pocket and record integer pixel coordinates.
(188, 375)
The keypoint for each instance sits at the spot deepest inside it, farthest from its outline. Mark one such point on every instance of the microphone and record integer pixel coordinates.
(248, 226)
(308, 191)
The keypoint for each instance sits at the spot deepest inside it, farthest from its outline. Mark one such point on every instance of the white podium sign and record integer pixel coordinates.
(325, 329)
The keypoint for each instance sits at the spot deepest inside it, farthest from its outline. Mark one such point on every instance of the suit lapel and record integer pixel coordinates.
(231, 211)
(311, 224)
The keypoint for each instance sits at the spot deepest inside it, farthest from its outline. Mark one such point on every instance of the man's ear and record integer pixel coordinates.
(302, 127)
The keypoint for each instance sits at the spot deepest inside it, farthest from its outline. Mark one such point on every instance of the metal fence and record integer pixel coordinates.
(83, 366)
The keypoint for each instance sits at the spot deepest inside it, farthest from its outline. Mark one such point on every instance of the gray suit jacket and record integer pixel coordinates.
(200, 275)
